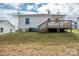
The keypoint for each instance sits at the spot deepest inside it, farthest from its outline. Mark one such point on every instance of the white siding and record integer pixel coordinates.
(34, 21)
(6, 27)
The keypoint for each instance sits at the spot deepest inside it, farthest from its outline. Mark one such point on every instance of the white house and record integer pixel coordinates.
(43, 21)
(6, 27)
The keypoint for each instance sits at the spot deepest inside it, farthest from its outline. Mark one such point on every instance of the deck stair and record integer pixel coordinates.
(43, 27)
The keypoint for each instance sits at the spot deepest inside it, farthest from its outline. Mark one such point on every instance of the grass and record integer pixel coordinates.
(33, 43)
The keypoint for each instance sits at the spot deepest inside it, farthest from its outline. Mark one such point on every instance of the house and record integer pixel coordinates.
(6, 27)
(43, 22)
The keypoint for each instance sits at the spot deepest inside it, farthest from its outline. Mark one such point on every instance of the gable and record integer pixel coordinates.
(6, 23)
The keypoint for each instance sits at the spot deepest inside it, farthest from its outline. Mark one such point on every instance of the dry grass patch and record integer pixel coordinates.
(39, 44)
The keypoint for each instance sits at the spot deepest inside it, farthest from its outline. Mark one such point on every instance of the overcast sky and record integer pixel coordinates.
(8, 11)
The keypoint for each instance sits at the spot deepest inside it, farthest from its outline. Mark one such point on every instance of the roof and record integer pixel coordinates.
(8, 22)
(40, 15)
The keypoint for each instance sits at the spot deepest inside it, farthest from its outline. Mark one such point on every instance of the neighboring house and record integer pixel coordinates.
(6, 27)
(43, 22)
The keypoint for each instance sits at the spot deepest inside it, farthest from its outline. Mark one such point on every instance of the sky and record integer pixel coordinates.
(9, 11)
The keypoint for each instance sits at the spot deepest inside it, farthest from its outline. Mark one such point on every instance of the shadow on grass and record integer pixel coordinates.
(27, 38)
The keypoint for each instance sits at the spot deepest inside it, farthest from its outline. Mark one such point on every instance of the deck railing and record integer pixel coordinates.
(60, 24)
(66, 24)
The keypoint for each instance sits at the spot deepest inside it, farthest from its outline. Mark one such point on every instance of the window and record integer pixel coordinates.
(1, 30)
(27, 21)
(10, 30)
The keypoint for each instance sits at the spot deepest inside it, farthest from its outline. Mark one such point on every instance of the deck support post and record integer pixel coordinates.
(71, 26)
(71, 30)
(59, 26)
(47, 26)
(57, 29)
(66, 29)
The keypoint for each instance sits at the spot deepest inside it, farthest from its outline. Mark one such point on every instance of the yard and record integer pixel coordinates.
(35, 44)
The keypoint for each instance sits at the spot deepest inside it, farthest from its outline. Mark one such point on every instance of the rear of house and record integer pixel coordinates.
(6, 27)
(31, 21)
(43, 22)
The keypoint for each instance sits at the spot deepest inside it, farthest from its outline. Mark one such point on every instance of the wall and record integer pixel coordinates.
(35, 21)
(6, 27)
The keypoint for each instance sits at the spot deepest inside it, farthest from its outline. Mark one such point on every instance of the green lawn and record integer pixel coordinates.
(34, 43)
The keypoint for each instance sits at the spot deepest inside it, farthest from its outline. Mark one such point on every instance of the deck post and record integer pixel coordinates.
(66, 29)
(71, 26)
(71, 30)
(47, 26)
(57, 29)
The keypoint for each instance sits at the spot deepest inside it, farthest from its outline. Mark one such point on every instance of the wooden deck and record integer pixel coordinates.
(60, 24)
